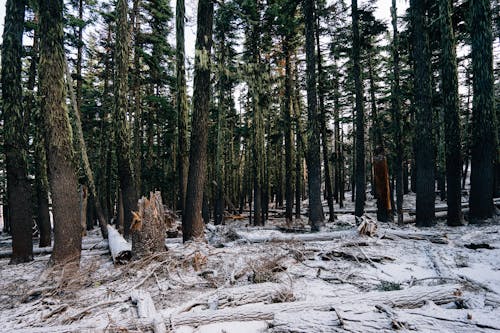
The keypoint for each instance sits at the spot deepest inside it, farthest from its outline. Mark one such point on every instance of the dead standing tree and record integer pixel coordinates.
(148, 227)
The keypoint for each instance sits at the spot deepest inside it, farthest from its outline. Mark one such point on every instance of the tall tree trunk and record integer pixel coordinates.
(424, 141)
(136, 95)
(289, 149)
(122, 135)
(192, 223)
(397, 116)
(323, 125)
(58, 136)
(41, 184)
(360, 126)
(316, 216)
(181, 102)
(82, 149)
(15, 135)
(483, 117)
(451, 116)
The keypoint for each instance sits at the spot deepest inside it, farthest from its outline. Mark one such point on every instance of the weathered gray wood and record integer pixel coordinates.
(408, 298)
(146, 309)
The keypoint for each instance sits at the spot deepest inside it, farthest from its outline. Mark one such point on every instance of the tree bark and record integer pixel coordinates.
(316, 216)
(360, 129)
(15, 135)
(192, 223)
(58, 136)
(424, 144)
(181, 102)
(122, 135)
(483, 118)
(397, 116)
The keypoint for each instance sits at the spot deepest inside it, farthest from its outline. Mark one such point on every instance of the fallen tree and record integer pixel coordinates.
(408, 298)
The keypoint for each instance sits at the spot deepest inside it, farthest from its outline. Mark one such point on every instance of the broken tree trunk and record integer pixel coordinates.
(382, 189)
(409, 298)
(148, 227)
(146, 309)
(120, 249)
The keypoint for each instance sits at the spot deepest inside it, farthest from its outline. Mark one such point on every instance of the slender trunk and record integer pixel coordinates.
(323, 125)
(289, 150)
(15, 135)
(397, 116)
(122, 135)
(41, 184)
(360, 129)
(192, 223)
(136, 94)
(82, 148)
(316, 216)
(181, 103)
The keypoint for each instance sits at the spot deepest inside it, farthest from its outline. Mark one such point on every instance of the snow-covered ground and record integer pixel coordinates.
(249, 279)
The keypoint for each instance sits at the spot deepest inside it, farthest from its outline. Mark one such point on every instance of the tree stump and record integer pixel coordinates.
(148, 227)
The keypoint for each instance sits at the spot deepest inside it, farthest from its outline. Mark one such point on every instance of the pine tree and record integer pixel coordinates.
(483, 117)
(451, 115)
(316, 216)
(192, 223)
(424, 146)
(15, 135)
(360, 129)
(122, 135)
(181, 102)
(60, 157)
(397, 114)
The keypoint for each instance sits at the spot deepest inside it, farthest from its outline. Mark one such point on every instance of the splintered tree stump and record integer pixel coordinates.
(148, 227)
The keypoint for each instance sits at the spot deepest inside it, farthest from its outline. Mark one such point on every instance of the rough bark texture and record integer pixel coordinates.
(41, 183)
(192, 223)
(181, 101)
(424, 141)
(148, 227)
(383, 192)
(396, 111)
(58, 136)
(289, 149)
(451, 115)
(15, 138)
(483, 118)
(360, 129)
(122, 135)
(316, 217)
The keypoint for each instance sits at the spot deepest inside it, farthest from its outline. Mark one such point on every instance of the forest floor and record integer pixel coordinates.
(261, 279)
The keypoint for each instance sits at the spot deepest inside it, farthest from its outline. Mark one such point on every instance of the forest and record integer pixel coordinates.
(250, 165)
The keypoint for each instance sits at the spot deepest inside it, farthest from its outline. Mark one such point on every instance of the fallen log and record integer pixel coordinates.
(146, 309)
(408, 298)
(267, 292)
(433, 238)
(307, 237)
(121, 250)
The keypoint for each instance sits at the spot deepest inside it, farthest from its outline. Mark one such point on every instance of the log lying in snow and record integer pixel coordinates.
(408, 298)
(433, 238)
(310, 237)
(146, 309)
(267, 292)
(120, 249)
